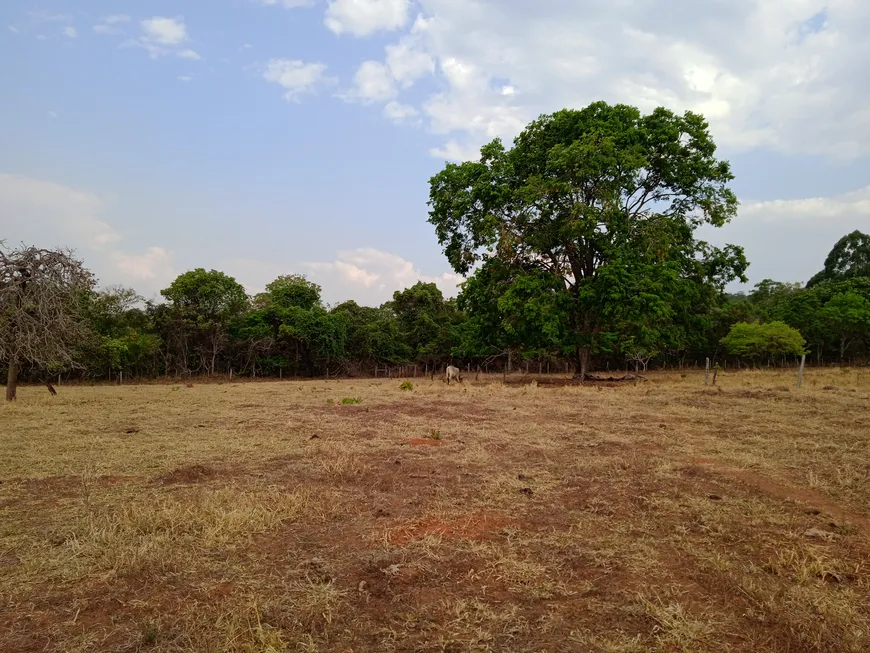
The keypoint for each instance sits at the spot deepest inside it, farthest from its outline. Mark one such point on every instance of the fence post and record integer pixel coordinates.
(707, 371)
(800, 377)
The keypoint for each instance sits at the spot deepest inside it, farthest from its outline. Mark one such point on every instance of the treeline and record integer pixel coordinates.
(208, 325)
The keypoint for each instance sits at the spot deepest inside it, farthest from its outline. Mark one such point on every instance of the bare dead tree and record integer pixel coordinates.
(41, 297)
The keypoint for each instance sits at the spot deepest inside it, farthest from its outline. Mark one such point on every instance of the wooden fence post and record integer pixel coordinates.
(707, 371)
(800, 376)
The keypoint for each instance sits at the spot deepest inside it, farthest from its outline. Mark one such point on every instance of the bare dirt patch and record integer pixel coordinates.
(473, 527)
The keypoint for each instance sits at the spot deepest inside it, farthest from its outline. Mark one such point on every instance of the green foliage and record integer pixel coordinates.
(592, 215)
(406, 386)
(848, 259)
(351, 400)
(150, 632)
(757, 341)
(290, 291)
(847, 318)
(201, 310)
(428, 324)
(206, 297)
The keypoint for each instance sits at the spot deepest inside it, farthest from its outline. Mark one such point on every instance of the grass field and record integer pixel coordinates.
(664, 516)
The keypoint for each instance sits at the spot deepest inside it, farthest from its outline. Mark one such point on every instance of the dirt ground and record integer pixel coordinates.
(660, 516)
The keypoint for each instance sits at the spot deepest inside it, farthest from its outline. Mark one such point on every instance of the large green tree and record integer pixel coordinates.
(848, 259)
(605, 202)
(847, 319)
(427, 321)
(203, 304)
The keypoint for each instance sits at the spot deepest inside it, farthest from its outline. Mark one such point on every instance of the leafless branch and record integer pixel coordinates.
(41, 295)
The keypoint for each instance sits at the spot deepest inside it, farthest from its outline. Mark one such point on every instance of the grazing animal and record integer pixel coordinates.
(453, 373)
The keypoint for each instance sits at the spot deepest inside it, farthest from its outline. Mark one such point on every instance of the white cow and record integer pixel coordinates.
(453, 373)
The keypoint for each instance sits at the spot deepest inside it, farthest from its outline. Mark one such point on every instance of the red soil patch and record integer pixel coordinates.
(475, 526)
(425, 442)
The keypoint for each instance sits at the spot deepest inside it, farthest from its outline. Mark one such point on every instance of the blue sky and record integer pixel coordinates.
(267, 137)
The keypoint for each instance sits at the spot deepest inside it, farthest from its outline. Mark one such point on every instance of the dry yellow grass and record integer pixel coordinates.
(256, 517)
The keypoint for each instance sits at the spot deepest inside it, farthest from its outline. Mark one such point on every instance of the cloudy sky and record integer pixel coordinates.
(263, 137)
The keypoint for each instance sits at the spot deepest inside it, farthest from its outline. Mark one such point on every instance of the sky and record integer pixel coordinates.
(269, 137)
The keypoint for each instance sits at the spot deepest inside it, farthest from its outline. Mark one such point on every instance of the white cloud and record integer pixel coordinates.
(372, 82)
(70, 32)
(775, 74)
(367, 275)
(41, 37)
(164, 31)
(295, 76)
(377, 82)
(453, 151)
(365, 17)
(160, 37)
(109, 24)
(407, 63)
(192, 55)
(185, 78)
(154, 264)
(370, 276)
(51, 114)
(44, 213)
(398, 112)
(849, 205)
(788, 240)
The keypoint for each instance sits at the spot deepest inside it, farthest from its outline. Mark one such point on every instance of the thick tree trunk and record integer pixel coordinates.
(582, 362)
(12, 381)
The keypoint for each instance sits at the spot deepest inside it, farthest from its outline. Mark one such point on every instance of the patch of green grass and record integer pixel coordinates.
(406, 386)
(351, 400)
(150, 631)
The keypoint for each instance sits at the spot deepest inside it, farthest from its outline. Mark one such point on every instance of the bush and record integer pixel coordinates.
(406, 385)
(770, 340)
(351, 400)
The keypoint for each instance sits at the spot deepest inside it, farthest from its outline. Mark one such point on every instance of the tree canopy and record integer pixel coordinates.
(770, 340)
(599, 207)
(848, 259)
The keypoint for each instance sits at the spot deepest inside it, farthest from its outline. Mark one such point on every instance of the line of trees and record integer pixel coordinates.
(580, 251)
